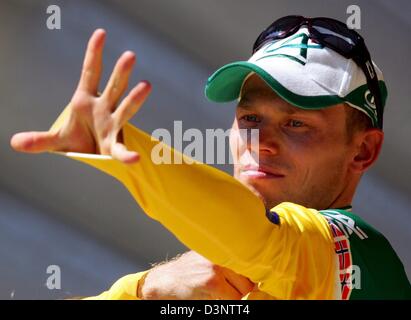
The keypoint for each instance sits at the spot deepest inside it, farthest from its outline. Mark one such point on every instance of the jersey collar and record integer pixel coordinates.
(346, 208)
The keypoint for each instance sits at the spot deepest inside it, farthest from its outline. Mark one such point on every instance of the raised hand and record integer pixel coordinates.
(95, 121)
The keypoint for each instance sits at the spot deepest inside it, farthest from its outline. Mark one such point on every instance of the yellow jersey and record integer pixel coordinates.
(289, 252)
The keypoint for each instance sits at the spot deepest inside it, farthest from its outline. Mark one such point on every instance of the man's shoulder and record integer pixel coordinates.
(364, 247)
(345, 220)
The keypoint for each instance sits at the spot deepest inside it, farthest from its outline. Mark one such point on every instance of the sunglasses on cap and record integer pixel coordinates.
(334, 35)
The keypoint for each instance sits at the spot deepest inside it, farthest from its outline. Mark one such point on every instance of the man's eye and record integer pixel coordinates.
(295, 123)
(251, 118)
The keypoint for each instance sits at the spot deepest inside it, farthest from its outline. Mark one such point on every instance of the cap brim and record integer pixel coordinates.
(225, 85)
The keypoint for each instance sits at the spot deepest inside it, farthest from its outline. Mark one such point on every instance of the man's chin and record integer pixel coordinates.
(259, 188)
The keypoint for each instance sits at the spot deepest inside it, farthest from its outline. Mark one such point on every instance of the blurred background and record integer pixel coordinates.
(55, 211)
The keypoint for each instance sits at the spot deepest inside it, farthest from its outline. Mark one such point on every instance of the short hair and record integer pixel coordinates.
(355, 121)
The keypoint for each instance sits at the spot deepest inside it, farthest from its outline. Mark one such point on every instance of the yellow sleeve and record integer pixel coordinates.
(215, 215)
(124, 288)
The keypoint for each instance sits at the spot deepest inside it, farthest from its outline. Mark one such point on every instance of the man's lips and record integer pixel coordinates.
(259, 172)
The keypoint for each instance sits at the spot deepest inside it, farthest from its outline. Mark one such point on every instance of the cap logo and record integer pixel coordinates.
(283, 49)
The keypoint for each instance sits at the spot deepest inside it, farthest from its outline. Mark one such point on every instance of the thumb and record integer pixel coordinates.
(120, 152)
(34, 141)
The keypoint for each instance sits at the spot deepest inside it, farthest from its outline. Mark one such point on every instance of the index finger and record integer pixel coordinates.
(92, 65)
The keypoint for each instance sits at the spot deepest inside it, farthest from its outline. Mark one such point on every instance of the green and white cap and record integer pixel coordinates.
(302, 72)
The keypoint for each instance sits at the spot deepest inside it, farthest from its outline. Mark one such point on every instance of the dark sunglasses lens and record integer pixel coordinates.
(335, 25)
(277, 30)
(283, 25)
(336, 35)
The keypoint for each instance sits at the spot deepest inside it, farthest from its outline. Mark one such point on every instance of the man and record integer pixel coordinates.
(282, 229)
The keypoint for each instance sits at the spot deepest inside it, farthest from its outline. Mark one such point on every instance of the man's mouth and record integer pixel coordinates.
(259, 172)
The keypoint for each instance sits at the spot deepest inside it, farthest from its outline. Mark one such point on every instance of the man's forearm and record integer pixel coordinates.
(215, 215)
(205, 208)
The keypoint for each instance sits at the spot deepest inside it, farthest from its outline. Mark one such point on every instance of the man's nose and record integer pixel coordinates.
(269, 140)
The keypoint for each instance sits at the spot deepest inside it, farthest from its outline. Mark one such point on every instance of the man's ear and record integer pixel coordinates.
(368, 146)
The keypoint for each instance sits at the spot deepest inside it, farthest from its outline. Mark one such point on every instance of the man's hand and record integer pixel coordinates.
(192, 277)
(95, 121)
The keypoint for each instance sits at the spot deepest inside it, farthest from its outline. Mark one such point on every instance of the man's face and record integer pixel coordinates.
(303, 154)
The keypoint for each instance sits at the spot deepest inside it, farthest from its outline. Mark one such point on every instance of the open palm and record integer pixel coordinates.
(95, 120)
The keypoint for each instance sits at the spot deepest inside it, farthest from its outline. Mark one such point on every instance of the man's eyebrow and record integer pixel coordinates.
(247, 99)
(253, 95)
(246, 103)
